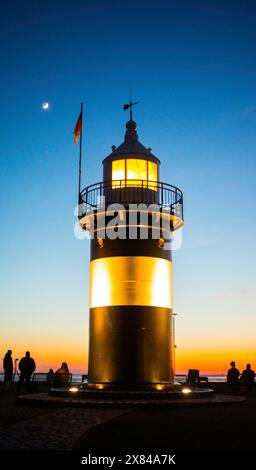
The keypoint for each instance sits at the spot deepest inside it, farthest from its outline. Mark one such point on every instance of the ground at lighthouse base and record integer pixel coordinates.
(227, 422)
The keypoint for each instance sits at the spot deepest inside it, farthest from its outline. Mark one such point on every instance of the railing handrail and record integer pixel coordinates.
(168, 195)
(103, 184)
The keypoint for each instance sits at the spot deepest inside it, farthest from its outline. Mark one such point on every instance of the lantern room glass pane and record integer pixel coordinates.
(136, 170)
(118, 173)
(152, 175)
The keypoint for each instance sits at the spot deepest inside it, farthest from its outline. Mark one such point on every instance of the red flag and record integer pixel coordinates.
(78, 128)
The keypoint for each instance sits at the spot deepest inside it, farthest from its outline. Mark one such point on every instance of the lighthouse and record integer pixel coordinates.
(132, 216)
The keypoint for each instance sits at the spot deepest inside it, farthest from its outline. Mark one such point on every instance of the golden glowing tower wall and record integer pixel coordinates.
(131, 328)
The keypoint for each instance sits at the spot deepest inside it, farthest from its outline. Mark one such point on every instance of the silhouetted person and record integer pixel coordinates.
(61, 376)
(8, 370)
(233, 377)
(50, 377)
(27, 367)
(247, 377)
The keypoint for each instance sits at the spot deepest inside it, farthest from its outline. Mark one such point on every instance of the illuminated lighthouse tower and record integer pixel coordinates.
(132, 217)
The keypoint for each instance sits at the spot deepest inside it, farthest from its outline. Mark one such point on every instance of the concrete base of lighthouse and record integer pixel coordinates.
(86, 396)
(140, 387)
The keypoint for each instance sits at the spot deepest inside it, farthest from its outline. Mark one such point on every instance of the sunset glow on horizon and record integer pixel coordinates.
(208, 360)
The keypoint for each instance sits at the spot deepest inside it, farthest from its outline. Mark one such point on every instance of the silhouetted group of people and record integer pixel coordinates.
(235, 379)
(60, 378)
(27, 367)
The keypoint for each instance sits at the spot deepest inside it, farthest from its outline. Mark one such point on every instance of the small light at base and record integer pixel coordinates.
(186, 391)
(99, 386)
(73, 389)
(159, 387)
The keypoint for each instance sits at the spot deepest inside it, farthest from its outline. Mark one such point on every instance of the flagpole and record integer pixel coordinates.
(80, 157)
(130, 104)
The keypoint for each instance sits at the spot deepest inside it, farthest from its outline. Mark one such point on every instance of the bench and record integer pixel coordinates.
(43, 379)
(194, 378)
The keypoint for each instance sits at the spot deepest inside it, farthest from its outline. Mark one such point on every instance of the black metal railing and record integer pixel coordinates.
(125, 192)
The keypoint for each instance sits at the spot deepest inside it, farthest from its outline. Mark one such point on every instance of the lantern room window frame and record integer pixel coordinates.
(124, 181)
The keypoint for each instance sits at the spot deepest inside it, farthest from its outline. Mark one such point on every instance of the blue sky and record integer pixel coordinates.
(192, 66)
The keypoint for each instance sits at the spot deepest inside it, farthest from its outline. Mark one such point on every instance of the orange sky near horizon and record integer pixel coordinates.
(208, 361)
(205, 342)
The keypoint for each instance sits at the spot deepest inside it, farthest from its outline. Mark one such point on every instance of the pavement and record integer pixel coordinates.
(54, 430)
(45, 426)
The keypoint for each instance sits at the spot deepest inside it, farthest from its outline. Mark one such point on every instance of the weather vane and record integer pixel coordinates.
(130, 105)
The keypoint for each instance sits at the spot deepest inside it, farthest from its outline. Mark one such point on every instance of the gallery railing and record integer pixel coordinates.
(125, 192)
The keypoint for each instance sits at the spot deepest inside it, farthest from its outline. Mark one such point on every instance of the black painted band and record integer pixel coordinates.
(128, 247)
